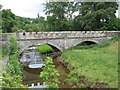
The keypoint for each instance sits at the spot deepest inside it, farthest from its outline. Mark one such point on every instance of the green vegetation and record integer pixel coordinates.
(13, 66)
(50, 74)
(61, 18)
(3, 52)
(45, 48)
(99, 63)
(95, 18)
(72, 78)
(13, 45)
(12, 81)
(12, 75)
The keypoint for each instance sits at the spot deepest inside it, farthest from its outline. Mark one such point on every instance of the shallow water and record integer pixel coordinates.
(32, 75)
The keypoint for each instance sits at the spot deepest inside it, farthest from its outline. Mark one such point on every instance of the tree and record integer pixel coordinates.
(8, 20)
(94, 15)
(49, 74)
(34, 27)
(113, 24)
(11, 22)
(38, 20)
(15, 29)
(57, 21)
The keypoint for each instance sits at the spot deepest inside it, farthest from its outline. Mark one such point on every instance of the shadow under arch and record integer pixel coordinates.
(87, 43)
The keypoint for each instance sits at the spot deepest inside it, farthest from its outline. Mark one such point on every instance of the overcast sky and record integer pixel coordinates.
(26, 8)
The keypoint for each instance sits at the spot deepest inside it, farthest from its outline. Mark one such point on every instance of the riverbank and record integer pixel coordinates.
(98, 64)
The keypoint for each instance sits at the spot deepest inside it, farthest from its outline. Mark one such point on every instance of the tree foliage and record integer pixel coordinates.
(8, 20)
(92, 15)
(113, 24)
(58, 20)
(63, 16)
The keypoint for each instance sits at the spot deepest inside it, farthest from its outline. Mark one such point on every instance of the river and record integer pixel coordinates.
(31, 75)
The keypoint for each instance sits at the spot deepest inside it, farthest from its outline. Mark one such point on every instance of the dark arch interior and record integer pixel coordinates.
(85, 44)
(88, 43)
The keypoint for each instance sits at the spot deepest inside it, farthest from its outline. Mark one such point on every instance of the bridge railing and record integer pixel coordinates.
(62, 34)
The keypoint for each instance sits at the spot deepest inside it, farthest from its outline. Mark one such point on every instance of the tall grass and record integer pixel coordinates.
(45, 48)
(97, 64)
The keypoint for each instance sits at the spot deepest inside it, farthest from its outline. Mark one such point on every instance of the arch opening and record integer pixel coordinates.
(47, 48)
(54, 47)
(84, 45)
(88, 43)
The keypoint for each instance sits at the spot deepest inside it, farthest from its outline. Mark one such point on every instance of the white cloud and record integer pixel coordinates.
(24, 8)
(28, 8)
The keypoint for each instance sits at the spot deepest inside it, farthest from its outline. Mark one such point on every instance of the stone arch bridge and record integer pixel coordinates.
(61, 40)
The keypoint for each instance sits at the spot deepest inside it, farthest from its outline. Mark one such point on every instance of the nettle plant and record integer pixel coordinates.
(50, 74)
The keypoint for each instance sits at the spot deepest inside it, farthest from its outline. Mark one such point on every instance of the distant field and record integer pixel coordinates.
(97, 64)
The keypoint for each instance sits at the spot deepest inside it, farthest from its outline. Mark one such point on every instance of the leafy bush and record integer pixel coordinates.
(50, 74)
(13, 76)
(13, 66)
(12, 82)
(13, 45)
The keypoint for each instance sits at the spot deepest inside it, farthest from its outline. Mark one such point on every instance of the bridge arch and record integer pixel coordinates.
(88, 42)
(76, 42)
(39, 43)
(55, 47)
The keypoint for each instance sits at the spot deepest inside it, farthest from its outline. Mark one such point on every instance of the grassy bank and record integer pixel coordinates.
(45, 48)
(99, 63)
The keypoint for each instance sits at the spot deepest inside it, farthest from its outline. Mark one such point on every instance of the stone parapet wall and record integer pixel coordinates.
(62, 34)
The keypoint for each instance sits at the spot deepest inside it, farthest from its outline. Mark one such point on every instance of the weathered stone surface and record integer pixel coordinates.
(61, 40)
